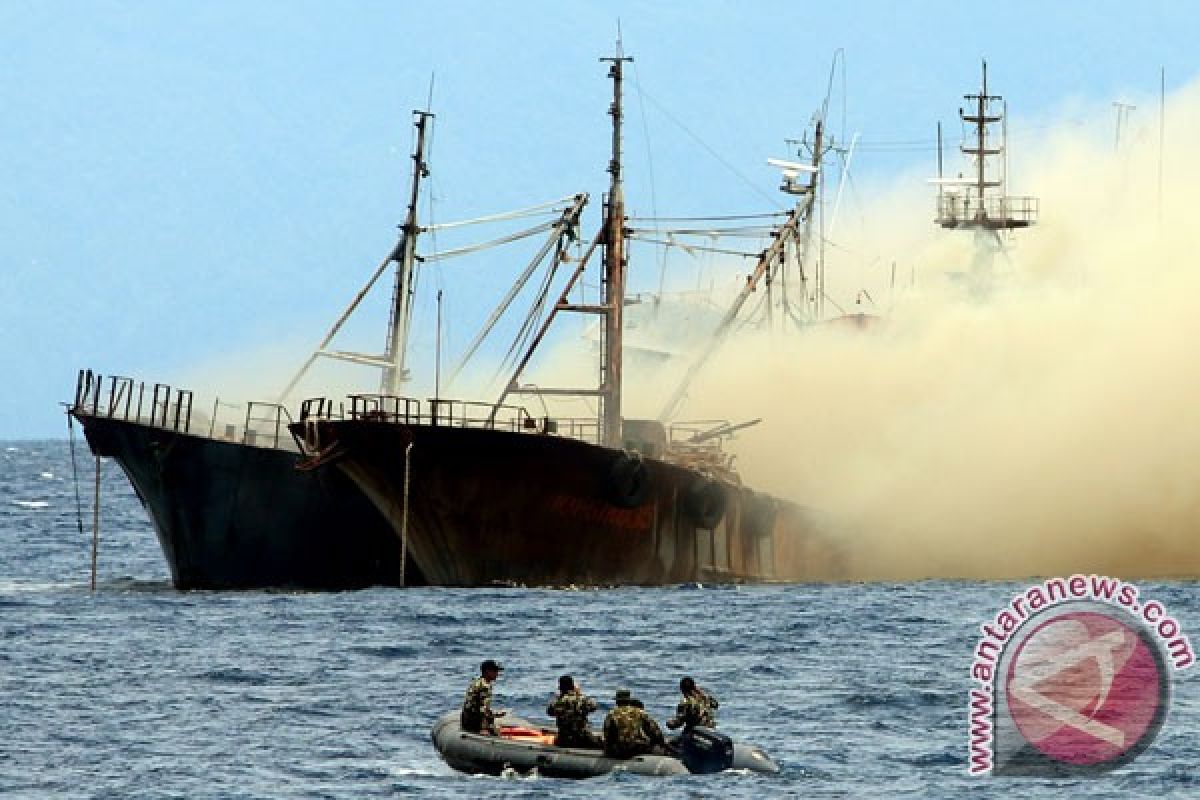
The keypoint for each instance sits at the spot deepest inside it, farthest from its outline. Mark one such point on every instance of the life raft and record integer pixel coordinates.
(525, 747)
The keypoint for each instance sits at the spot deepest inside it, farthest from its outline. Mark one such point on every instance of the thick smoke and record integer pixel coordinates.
(1050, 426)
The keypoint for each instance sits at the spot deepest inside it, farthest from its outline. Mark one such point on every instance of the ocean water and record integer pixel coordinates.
(137, 690)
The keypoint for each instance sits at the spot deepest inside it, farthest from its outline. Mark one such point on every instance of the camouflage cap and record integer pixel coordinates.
(622, 696)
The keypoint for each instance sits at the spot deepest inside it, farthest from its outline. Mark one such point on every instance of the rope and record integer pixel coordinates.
(404, 519)
(75, 474)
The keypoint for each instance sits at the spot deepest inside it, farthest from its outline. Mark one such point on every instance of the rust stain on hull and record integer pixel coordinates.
(489, 506)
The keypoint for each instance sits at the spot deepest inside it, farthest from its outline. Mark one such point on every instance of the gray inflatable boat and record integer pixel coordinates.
(525, 747)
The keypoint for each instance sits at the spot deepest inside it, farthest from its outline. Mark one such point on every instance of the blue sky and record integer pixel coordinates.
(187, 183)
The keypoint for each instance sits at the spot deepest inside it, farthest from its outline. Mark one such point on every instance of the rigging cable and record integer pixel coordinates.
(475, 248)
(753, 186)
(531, 211)
(662, 251)
(748, 232)
(698, 247)
(764, 215)
(527, 325)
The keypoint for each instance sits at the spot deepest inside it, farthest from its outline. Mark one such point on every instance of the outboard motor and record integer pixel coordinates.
(704, 751)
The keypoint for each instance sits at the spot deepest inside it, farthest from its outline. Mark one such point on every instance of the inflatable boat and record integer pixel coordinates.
(525, 747)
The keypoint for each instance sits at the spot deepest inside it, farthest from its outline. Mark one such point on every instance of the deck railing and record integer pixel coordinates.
(262, 424)
(686, 442)
(954, 210)
(161, 406)
(448, 413)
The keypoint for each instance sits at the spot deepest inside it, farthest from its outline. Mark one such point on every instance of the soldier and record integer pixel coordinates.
(477, 715)
(696, 709)
(629, 731)
(570, 709)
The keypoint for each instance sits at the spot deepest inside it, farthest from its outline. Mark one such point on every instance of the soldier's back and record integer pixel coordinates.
(624, 736)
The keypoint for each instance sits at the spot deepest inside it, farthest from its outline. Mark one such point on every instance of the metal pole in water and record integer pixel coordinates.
(437, 358)
(95, 523)
(404, 513)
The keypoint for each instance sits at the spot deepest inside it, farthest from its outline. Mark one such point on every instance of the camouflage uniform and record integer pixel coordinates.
(695, 710)
(570, 710)
(477, 714)
(629, 731)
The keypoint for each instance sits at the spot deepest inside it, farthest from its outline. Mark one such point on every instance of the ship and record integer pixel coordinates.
(485, 493)
(227, 491)
(229, 507)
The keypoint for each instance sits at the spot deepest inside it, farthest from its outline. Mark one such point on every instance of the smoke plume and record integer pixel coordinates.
(1048, 427)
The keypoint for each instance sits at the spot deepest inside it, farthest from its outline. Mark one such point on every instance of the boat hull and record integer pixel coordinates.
(493, 755)
(489, 507)
(229, 515)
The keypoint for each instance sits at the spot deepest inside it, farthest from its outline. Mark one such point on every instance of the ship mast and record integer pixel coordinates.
(614, 268)
(404, 255)
(981, 203)
(795, 232)
(402, 297)
(788, 232)
(612, 237)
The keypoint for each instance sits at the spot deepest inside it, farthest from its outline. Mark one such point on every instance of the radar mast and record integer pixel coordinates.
(980, 202)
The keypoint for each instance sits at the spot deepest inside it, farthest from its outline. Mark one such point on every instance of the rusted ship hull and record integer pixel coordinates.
(234, 516)
(487, 507)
